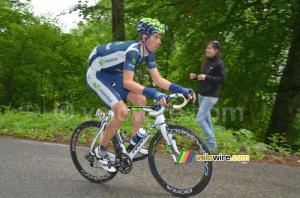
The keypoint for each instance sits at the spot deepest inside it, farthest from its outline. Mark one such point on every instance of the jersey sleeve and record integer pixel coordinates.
(131, 60)
(151, 61)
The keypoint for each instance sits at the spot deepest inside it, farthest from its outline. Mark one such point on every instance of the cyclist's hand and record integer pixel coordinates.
(158, 96)
(192, 96)
(185, 91)
(189, 93)
(161, 98)
(162, 102)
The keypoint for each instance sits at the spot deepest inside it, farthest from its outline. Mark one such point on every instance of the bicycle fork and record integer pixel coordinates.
(168, 136)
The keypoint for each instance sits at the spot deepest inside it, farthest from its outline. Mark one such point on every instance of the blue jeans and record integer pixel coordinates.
(204, 120)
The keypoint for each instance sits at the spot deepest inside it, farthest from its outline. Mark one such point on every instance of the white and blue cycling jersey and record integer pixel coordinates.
(106, 64)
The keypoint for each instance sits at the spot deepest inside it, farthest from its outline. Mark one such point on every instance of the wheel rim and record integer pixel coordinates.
(189, 176)
(85, 162)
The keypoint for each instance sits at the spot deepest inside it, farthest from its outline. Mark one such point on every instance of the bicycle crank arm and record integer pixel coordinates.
(139, 158)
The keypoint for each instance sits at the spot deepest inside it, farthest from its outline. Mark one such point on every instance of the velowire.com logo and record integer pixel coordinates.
(188, 156)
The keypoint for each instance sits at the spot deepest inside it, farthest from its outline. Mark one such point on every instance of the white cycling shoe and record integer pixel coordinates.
(144, 150)
(106, 161)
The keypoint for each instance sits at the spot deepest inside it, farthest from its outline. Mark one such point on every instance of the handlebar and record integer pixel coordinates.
(169, 98)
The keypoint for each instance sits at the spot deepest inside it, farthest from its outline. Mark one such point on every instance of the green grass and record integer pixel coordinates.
(38, 126)
(59, 126)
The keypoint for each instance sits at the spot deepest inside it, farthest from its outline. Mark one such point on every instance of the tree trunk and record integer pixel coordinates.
(118, 21)
(287, 102)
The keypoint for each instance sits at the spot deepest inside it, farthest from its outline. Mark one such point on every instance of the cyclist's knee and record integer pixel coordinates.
(138, 99)
(141, 100)
(120, 111)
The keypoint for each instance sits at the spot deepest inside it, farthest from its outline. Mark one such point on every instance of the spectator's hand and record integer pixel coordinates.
(201, 77)
(193, 76)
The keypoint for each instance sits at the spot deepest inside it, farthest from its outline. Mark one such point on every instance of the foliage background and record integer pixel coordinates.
(43, 68)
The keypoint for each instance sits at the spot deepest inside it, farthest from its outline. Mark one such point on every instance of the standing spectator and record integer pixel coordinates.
(211, 77)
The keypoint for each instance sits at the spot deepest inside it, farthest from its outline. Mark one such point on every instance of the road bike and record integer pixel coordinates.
(174, 154)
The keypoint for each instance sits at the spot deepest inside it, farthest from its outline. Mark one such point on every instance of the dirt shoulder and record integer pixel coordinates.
(276, 158)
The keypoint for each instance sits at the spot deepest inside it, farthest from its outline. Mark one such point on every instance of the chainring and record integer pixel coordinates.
(124, 163)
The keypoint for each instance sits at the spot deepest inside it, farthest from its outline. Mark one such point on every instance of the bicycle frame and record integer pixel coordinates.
(159, 122)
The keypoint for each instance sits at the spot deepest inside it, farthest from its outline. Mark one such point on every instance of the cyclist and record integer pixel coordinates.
(111, 76)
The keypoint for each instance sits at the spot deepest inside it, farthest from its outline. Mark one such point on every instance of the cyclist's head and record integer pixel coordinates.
(150, 26)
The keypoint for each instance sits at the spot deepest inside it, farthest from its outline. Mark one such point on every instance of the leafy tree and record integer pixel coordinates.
(42, 66)
(287, 102)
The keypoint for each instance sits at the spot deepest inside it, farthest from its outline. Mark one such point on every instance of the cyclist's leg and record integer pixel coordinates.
(136, 99)
(138, 117)
(102, 84)
(120, 113)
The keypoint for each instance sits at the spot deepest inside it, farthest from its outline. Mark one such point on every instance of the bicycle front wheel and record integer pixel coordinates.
(189, 175)
(84, 160)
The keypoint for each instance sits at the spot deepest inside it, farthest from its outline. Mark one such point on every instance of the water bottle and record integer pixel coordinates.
(135, 139)
(100, 113)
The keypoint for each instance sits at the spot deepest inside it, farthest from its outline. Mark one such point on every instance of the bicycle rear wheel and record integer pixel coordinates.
(187, 177)
(85, 162)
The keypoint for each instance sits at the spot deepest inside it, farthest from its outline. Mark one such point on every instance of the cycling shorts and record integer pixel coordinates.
(108, 87)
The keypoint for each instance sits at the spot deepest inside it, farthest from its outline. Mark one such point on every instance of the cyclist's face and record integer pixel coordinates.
(210, 51)
(154, 41)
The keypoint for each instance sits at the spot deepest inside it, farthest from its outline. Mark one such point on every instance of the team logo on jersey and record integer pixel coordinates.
(105, 96)
(96, 86)
(119, 42)
(131, 65)
(152, 63)
(108, 46)
(111, 60)
(101, 62)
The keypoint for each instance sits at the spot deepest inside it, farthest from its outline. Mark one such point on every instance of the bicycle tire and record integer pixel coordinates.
(81, 141)
(179, 179)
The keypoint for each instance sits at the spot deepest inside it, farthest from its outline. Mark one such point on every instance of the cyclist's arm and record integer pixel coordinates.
(158, 80)
(130, 84)
(128, 73)
(165, 84)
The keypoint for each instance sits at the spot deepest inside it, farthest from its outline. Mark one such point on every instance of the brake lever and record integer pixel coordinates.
(168, 99)
(169, 108)
(191, 93)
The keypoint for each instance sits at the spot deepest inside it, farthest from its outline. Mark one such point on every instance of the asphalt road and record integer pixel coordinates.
(38, 169)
